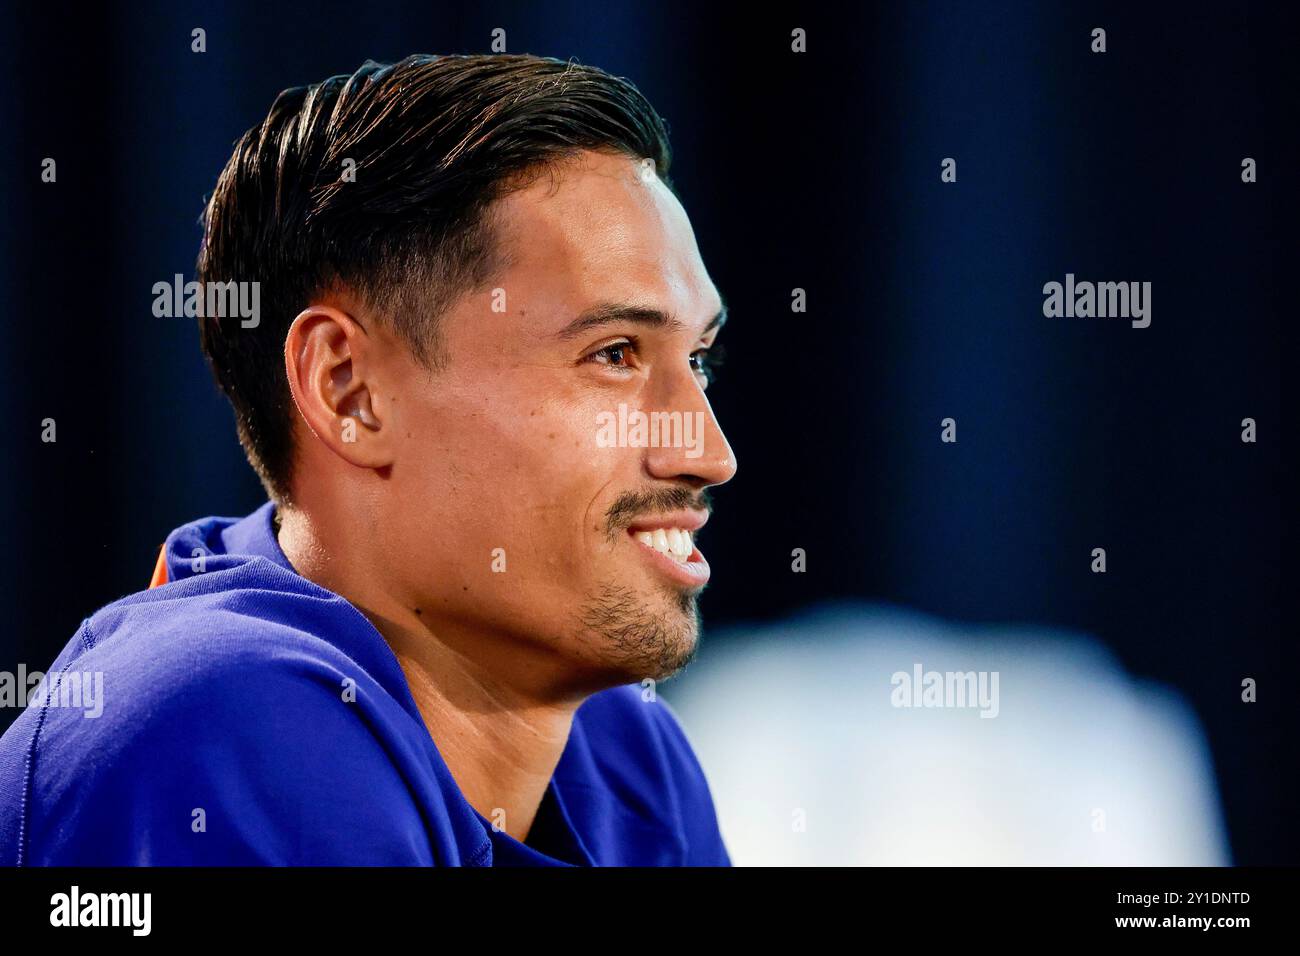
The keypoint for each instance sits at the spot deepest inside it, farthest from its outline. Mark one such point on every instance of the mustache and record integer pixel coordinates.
(631, 505)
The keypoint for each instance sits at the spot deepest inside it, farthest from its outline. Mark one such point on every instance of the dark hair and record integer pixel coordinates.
(435, 140)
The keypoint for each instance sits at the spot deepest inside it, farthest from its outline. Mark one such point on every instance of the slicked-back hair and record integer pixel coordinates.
(405, 226)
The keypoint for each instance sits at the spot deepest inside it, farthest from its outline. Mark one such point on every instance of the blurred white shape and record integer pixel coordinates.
(811, 764)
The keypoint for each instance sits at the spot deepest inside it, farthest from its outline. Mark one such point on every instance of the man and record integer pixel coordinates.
(438, 641)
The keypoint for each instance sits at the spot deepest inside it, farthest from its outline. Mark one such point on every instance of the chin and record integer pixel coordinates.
(640, 637)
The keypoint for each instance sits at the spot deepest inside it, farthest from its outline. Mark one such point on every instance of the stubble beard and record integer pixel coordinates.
(642, 637)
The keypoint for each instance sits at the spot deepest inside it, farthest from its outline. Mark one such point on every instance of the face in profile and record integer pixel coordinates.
(537, 523)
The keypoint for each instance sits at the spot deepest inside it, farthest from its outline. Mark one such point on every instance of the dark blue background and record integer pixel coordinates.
(818, 171)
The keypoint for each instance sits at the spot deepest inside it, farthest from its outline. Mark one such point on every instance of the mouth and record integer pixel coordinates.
(668, 544)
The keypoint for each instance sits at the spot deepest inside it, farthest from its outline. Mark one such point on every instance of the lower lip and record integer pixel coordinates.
(692, 573)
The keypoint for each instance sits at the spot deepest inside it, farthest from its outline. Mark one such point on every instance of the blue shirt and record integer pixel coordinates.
(227, 735)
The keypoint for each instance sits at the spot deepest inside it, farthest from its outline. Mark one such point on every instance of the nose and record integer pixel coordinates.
(691, 446)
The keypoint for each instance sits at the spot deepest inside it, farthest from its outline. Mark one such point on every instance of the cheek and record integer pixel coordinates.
(527, 478)
(557, 480)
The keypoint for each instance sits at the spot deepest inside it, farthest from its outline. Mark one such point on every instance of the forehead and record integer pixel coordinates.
(600, 229)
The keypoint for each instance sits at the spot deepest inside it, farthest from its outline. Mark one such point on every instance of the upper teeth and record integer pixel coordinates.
(673, 542)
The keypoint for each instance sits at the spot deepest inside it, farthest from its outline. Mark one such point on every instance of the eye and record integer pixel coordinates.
(706, 362)
(616, 354)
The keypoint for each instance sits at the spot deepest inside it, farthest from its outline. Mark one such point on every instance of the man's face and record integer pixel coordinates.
(534, 512)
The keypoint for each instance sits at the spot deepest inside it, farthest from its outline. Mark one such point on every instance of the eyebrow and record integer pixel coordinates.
(611, 312)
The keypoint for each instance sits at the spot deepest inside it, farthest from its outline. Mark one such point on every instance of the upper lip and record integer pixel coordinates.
(686, 520)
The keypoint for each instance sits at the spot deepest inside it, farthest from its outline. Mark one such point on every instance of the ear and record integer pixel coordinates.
(330, 362)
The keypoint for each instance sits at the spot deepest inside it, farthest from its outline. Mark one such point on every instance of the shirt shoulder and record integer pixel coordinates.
(630, 744)
(213, 733)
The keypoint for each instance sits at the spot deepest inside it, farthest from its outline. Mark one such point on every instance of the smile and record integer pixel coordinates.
(674, 542)
(669, 544)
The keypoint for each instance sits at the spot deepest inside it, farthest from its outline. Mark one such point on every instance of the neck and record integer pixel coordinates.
(500, 737)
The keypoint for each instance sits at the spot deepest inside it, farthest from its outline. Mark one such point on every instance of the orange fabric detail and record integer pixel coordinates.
(160, 569)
